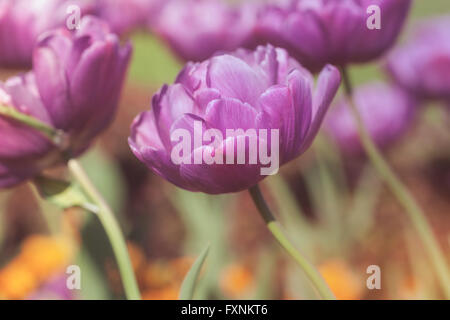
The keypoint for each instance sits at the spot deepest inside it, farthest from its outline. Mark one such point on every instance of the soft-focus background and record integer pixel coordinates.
(335, 209)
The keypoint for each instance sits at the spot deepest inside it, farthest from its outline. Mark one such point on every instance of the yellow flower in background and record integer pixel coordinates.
(236, 281)
(344, 283)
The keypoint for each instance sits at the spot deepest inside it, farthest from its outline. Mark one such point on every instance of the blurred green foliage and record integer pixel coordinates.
(153, 62)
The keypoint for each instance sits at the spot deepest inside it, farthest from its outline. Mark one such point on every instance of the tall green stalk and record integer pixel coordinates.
(112, 229)
(413, 210)
(276, 230)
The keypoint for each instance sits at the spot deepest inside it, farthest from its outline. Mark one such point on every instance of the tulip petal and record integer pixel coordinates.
(144, 134)
(230, 113)
(53, 85)
(161, 163)
(288, 108)
(222, 178)
(235, 79)
(327, 86)
(168, 105)
(192, 124)
(7, 178)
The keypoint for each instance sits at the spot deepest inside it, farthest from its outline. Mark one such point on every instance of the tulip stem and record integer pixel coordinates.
(403, 195)
(275, 228)
(53, 134)
(112, 229)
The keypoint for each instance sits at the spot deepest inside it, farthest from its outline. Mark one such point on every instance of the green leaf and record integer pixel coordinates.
(62, 194)
(191, 279)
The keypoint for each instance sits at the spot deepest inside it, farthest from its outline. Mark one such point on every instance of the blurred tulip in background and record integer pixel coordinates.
(422, 66)
(317, 32)
(387, 112)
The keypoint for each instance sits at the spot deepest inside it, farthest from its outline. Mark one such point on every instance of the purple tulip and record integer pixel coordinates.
(22, 21)
(74, 88)
(80, 77)
(23, 151)
(387, 113)
(123, 16)
(196, 29)
(423, 65)
(317, 32)
(256, 90)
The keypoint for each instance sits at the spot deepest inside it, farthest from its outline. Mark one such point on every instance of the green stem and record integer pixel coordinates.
(276, 230)
(56, 136)
(112, 230)
(403, 195)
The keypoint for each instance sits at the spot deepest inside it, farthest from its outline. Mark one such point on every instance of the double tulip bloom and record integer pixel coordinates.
(317, 32)
(422, 66)
(196, 29)
(261, 89)
(123, 16)
(23, 21)
(74, 88)
(387, 112)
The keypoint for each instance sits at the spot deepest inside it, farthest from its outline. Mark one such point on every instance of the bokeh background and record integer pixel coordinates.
(335, 209)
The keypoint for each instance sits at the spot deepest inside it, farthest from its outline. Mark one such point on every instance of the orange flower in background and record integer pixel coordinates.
(46, 255)
(158, 275)
(411, 288)
(166, 274)
(137, 256)
(181, 266)
(40, 258)
(16, 281)
(236, 281)
(342, 280)
(168, 293)
(159, 279)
